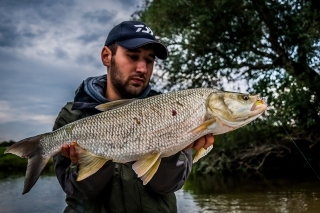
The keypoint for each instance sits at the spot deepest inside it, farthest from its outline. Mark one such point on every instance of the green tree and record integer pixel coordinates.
(271, 45)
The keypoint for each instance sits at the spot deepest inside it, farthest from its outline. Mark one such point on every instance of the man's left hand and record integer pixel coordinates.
(203, 142)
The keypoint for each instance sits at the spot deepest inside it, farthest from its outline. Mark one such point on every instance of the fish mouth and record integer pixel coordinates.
(260, 105)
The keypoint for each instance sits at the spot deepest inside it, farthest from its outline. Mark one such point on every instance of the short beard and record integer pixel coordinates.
(120, 84)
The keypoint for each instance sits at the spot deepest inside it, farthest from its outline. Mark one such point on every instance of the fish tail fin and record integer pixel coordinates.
(30, 148)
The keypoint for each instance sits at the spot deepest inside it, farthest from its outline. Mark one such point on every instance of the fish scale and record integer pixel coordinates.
(142, 130)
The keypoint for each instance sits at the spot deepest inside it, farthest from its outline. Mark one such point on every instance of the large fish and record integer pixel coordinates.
(141, 130)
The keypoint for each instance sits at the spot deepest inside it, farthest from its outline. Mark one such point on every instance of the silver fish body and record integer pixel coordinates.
(125, 134)
(142, 130)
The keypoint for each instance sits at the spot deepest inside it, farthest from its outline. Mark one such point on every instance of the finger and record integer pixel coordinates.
(198, 144)
(189, 147)
(209, 140)
(65, 150)
(73, 154)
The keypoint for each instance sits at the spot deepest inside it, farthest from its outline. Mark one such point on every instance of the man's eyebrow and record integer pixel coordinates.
(133, 50)
(139, 51)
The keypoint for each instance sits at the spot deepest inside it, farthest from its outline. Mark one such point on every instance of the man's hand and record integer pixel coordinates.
(69, 151)
(203, 142)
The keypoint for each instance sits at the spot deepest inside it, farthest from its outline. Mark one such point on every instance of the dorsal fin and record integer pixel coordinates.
(114, 104)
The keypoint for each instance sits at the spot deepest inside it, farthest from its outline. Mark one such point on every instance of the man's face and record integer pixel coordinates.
(130, 71)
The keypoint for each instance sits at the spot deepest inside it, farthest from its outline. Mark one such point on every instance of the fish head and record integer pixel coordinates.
(235, 109)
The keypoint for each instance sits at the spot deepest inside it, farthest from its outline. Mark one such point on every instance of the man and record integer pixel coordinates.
(129, 54)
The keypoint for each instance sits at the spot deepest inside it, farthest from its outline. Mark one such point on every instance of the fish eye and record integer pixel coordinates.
(245, 97)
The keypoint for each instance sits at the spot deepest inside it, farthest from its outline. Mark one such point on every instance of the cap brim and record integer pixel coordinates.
(160, 49)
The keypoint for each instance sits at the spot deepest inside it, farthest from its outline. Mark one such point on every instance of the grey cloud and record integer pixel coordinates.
(36, 86)
(12, 36)
(34, 3)
(101, 16)
(90, 37)
(17, 20)
(90, 59)
(8, 35)
(32, 11)
(104, 19)
(60, 53)
(17, 131)
(55, 13)
(129, 3)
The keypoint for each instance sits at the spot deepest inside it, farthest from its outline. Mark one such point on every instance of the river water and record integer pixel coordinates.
(200, 194)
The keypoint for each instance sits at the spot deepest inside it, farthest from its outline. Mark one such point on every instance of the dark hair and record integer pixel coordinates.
(113, 48)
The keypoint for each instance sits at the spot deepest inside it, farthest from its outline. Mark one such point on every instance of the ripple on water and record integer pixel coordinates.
(205, 195)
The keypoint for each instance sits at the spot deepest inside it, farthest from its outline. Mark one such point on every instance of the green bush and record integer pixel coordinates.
(13, 165)
(264, 148)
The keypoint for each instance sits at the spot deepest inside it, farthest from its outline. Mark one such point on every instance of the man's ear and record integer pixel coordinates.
(106, 55)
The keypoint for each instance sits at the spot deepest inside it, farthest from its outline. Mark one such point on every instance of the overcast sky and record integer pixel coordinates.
(47, 48)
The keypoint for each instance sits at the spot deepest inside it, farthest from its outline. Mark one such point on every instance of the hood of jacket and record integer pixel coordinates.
(92, 93)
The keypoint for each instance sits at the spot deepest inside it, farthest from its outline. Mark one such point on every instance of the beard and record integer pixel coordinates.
(122, 86)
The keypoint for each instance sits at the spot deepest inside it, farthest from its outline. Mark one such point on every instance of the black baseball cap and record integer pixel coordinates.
(134, 34)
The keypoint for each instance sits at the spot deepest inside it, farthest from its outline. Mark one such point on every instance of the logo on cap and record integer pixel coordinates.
(141, 27)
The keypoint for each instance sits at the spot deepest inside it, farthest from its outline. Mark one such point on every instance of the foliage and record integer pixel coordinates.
(259, 147)
(11, 164)
(6, 143)
(273, 45)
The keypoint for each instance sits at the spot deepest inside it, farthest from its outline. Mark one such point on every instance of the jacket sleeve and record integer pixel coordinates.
(67, 172)
(172, 173)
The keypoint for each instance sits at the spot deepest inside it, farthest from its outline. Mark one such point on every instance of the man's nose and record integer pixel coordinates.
(142, 66)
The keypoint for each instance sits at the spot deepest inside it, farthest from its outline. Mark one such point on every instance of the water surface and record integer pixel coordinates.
(45, 197)
(200, 194)
(243, 195)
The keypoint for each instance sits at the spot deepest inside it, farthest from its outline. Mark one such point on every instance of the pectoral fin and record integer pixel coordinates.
(201, 153)
(114, 104)
(147, 167)
(204, 126)
(88, 163)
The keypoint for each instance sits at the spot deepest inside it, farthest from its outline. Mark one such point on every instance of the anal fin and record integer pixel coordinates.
(147, 166)
(88, 163)
(150, 173)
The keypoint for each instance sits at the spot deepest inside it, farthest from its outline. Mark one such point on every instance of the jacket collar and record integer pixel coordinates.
(91, 93)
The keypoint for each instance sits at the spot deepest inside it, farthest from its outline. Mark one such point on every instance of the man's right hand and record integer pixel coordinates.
(69, 151)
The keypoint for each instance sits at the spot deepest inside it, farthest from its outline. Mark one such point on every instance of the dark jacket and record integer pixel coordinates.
(115, 187)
